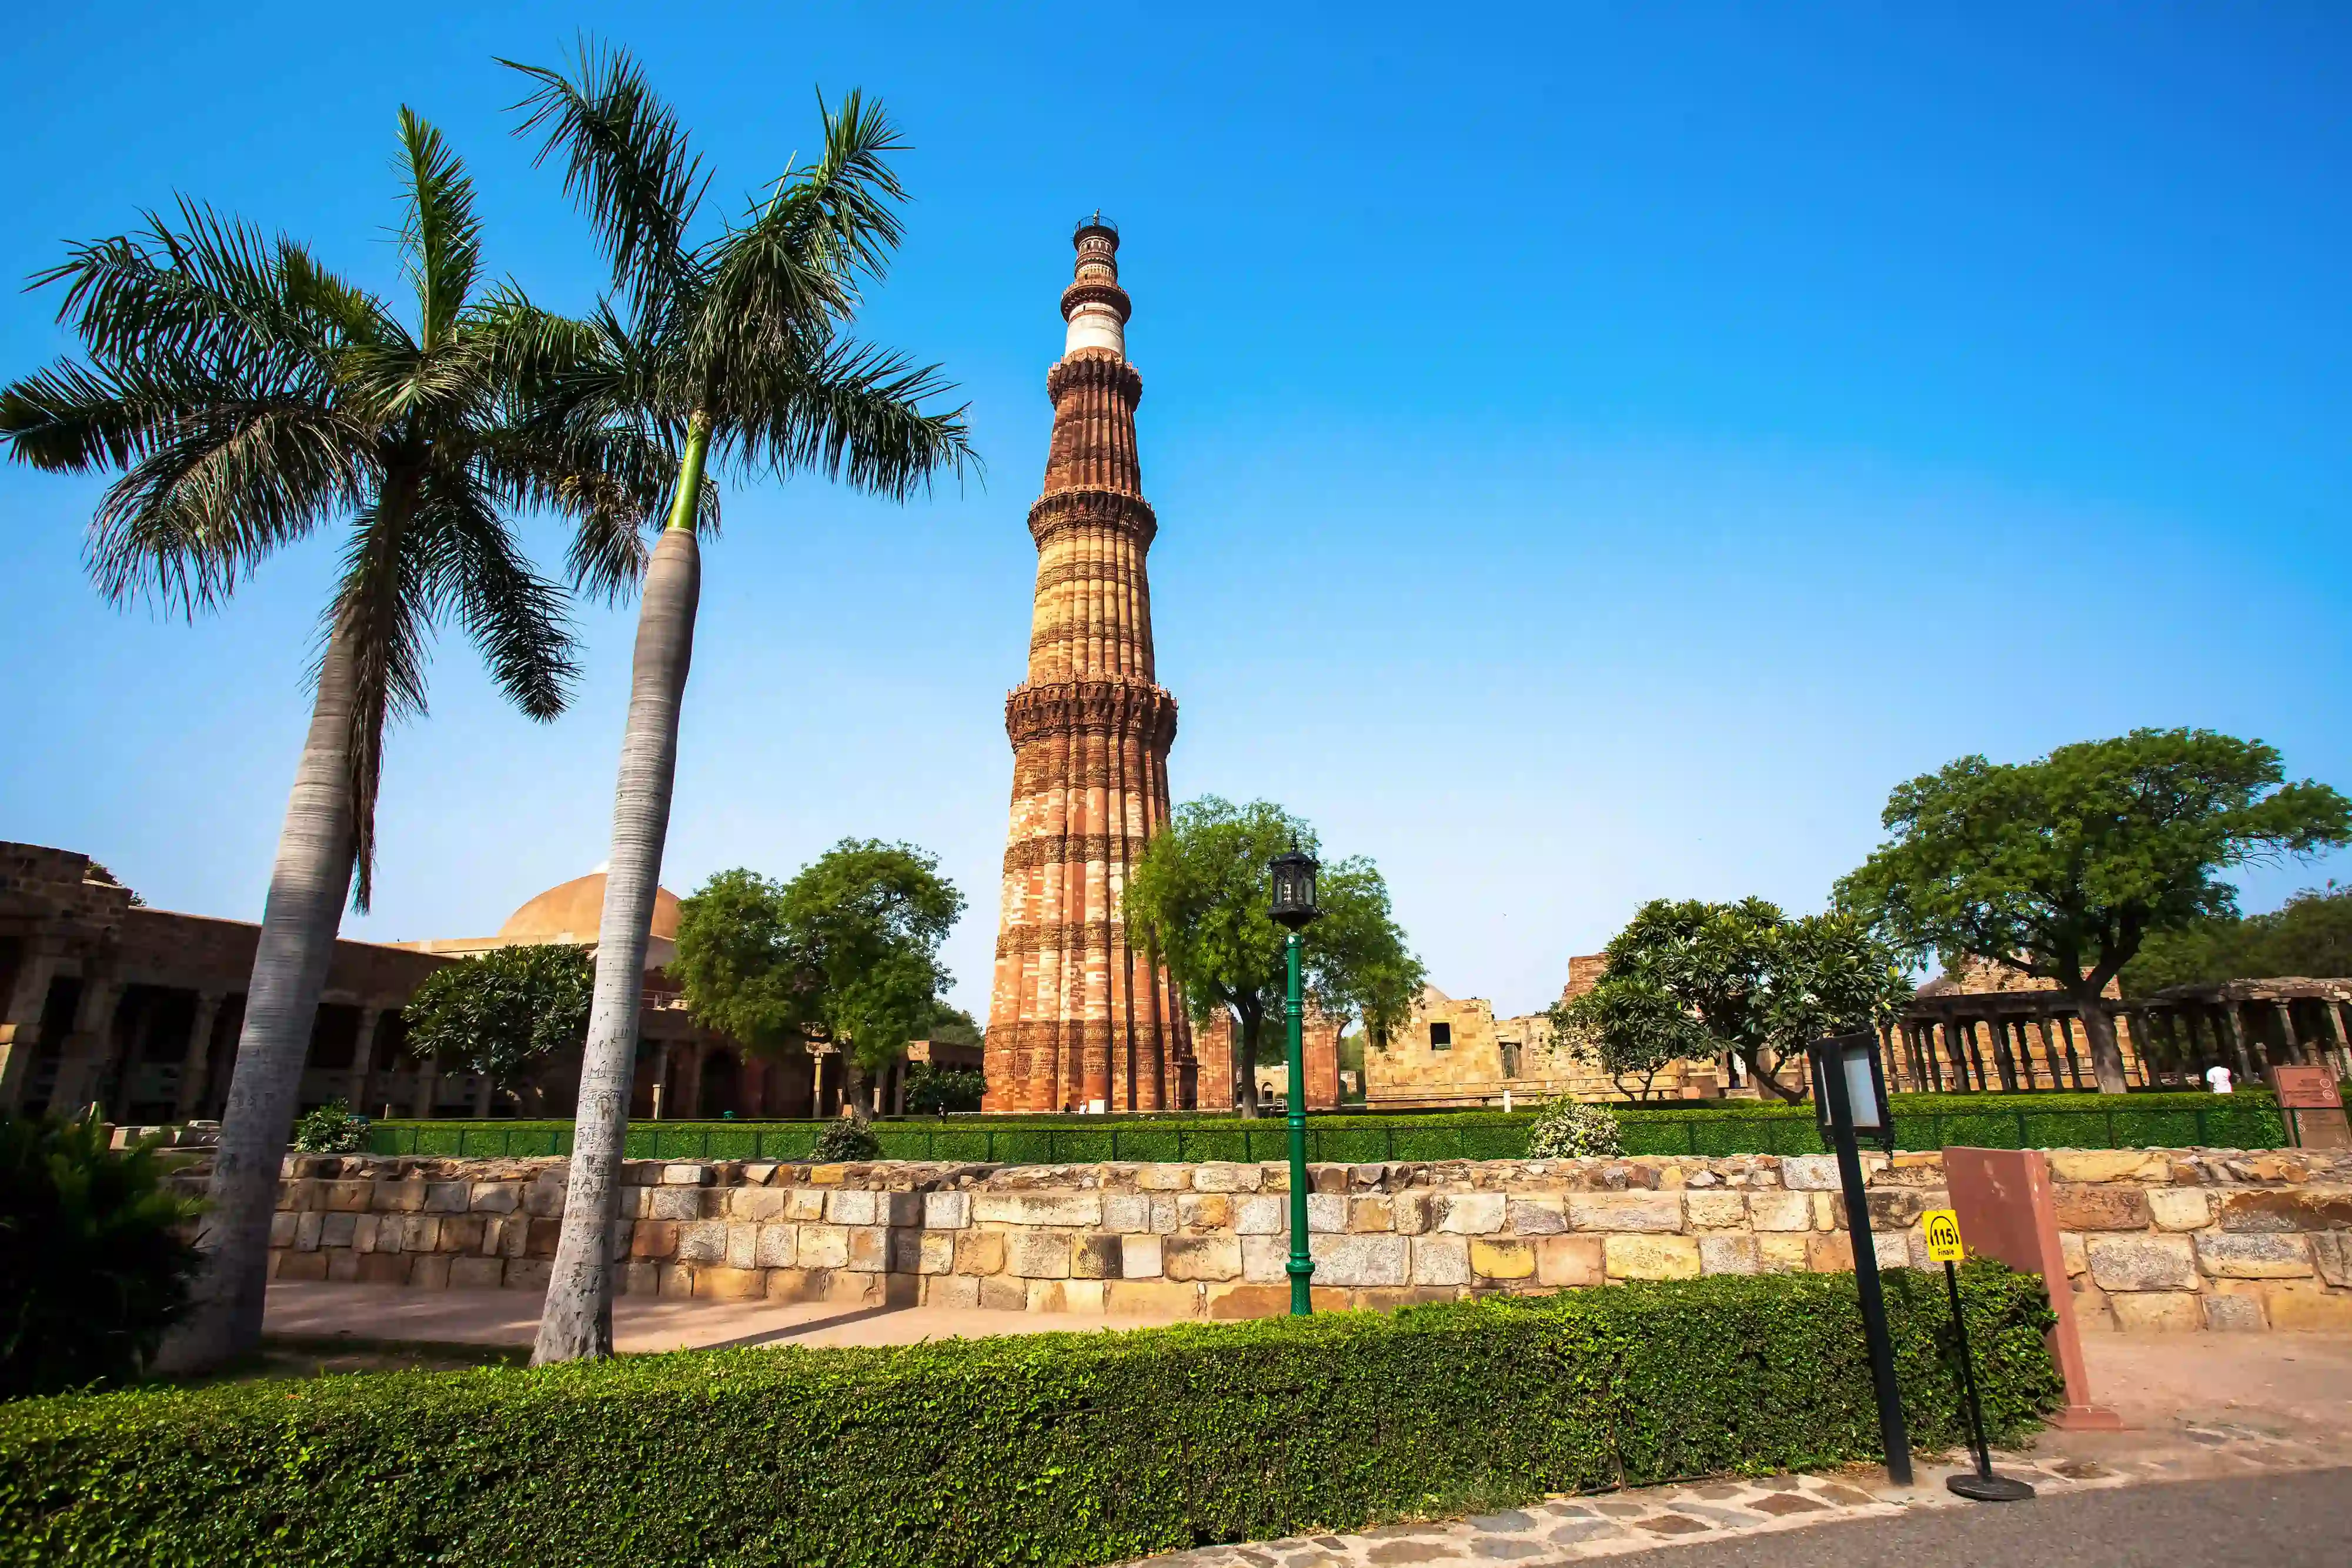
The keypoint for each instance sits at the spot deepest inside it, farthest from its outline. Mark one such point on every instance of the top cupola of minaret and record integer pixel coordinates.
(1094, 304)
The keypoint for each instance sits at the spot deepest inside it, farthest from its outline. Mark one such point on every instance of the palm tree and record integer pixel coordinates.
(733, 348)
(248, 398)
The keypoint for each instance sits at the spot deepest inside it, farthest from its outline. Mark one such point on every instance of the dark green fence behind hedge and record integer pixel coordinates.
(2245, 1124)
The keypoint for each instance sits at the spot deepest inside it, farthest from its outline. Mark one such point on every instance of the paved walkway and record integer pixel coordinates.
(2301, 1521)
(361, 1313)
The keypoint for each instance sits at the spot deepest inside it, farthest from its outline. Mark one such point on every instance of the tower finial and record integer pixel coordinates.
(1094, 304)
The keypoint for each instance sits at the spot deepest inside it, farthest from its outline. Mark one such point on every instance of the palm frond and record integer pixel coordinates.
(441, 238)
(845, 202)
(852, 412)
(381, 612)
(214, 476)
(613, 482)
(514, 616)
(626, 161)
(790, 272)
(213, 290)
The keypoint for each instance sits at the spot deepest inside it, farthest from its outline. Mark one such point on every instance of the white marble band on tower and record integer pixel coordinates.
(1095, 327)
(1094, 304)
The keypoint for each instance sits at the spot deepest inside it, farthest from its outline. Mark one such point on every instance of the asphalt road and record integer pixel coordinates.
(2259, 1521)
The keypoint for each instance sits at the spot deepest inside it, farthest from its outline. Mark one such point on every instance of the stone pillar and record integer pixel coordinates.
(2050, 1050)
(2342, 1049)
(2237, 1028)
(2295, 1052)
(690, 1088)
(2142, 1039)
(428, 1073)
(482, 1087)
(196, 1061)
(1318, 1046)
(362, 1060)
(87, 1047)
(20, 1023)
(1214, 1047)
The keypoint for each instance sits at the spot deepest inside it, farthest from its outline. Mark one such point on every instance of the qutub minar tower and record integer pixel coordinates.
(1079, 1018)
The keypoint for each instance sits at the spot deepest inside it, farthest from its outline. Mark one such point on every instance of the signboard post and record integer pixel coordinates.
(2313, 1107)
(1944, 1246)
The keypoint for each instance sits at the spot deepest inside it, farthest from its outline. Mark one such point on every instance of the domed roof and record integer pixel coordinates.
(573, 911)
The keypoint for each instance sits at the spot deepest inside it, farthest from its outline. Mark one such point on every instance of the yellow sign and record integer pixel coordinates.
(1943, 1228)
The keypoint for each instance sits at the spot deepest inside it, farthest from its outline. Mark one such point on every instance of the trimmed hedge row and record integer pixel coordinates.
(1051, 1450)
(1921, 1121)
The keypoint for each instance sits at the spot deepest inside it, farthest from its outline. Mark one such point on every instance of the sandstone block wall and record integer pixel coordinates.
(2162, 1239)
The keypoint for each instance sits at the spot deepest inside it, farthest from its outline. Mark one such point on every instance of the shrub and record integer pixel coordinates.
(93, 1268)
(1045, 1449)
(331, 1129)
(846, 1140)
(1566, 1129)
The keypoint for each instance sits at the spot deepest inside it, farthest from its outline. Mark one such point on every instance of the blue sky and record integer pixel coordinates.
(1599, 449)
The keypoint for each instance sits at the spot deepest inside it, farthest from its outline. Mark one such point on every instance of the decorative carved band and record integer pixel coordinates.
(1096, 367)
(1092, 292)
(1077, 936)
(1059, 511)
(1124, 571)
(1091, 707)
(1076, 1035)
(1077, 849)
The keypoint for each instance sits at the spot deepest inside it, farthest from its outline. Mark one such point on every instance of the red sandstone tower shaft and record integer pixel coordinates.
(1078, 1018)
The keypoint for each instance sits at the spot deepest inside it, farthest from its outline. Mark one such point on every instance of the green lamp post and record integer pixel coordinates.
(1292, 904)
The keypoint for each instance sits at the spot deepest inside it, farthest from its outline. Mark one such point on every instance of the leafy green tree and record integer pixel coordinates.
(1198, 897)
(1758, 983)
(2311, 936)
(2062, 867)
(735, 960)
(1629, 1026)
(933, 1091)
(249, 398)
(846, 953)
(504, 1014)
(953, 1026)
(731, 350)
(1360, 967)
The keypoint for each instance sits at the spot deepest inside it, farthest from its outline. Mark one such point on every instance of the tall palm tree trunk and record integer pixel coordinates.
(577, 1320)
(308, 887)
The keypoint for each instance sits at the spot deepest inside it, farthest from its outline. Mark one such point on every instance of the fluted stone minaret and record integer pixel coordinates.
(1078, 1016)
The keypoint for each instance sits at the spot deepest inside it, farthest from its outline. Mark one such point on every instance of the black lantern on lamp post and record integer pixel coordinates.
(1290, 902)
(1850, 1100)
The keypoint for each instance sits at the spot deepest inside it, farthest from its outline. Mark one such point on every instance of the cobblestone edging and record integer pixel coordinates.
(2153, 1238)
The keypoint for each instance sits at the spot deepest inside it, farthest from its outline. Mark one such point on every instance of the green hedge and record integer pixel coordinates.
(2248, 1120)
(1051, 1450)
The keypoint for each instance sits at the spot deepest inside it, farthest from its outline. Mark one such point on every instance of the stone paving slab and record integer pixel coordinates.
(1572, 1529)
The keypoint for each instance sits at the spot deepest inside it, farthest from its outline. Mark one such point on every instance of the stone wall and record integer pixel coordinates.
(2199, 1238)
(1482, 1058)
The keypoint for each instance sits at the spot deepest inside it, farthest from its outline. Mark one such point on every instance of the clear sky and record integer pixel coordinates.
(1599, 449)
